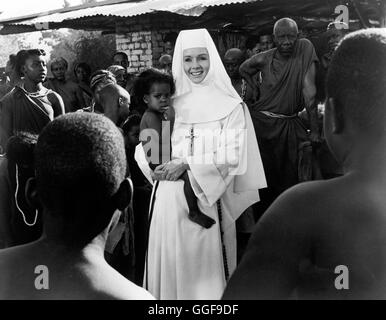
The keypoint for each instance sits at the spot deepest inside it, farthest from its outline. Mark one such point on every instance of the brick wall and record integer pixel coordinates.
(142, 39)
(138, 46)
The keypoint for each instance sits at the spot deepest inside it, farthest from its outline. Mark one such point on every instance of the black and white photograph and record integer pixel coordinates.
(206, 151)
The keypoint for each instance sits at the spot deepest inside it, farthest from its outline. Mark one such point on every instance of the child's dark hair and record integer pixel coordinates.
(130, 122)
(145, 81)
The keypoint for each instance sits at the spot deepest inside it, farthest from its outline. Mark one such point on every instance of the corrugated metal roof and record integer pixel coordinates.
(130, 9)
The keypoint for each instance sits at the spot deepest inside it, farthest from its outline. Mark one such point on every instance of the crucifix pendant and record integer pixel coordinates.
(191, 136)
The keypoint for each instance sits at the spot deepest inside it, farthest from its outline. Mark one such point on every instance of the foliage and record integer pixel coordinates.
(9, 45)
(82, 46)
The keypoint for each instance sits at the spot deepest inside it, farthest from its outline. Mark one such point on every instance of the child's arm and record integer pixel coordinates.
(150, 137)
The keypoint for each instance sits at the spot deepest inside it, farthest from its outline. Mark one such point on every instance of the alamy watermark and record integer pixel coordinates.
(342, 20)
(42, 281)
(342, 280)
(202, 146)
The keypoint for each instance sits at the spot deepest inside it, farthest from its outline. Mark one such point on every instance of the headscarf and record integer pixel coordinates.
(212, 99)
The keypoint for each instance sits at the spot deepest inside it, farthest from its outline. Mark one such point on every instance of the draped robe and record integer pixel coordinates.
(281, 92)
(22, 111)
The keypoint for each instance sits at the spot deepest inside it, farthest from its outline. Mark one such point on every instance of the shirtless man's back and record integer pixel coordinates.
(85, 275)
(327, 239)
(80, 168)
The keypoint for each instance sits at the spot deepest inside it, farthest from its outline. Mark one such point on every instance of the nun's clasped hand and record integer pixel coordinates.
(171, 171)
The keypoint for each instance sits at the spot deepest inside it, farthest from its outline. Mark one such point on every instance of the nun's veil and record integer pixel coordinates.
(214, 98)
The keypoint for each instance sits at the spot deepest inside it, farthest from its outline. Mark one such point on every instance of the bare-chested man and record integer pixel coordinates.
(80, 183)
(318, 226)
(70, 91)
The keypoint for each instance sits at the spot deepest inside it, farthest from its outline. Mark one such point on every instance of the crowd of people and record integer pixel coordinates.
(151, 185)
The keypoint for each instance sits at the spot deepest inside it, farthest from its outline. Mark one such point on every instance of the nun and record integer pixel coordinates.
(213, 139)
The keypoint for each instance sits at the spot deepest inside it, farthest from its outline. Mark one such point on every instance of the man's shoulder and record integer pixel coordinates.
(11, 260)
(308, 199)
(305, 42)
(305, 46)
(262, 58)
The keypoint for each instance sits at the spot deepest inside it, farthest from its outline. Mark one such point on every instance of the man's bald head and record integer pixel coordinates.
(233, 58)
(286, 23)
(115, 102)
(356, 80)
(166, 58)
(234, 53)
(285, 32)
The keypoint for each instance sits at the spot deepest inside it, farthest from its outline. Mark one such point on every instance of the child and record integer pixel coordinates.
(155, 89)
(141, 195)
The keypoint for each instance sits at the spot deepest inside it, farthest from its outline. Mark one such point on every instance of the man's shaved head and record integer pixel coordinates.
(233, 58)
(234, 53)
(286, 34)
(166, 58)
(285, 23)
(356, 79)
(115, 102)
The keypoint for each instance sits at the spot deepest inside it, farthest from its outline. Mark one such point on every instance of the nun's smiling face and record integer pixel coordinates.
(196, 64)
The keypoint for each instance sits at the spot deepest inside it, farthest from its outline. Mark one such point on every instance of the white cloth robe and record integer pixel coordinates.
(184, 260)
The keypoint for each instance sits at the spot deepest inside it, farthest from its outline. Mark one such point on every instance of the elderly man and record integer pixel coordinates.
(288, 86)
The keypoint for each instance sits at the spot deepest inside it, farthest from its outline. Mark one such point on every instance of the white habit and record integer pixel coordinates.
(185, 260)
